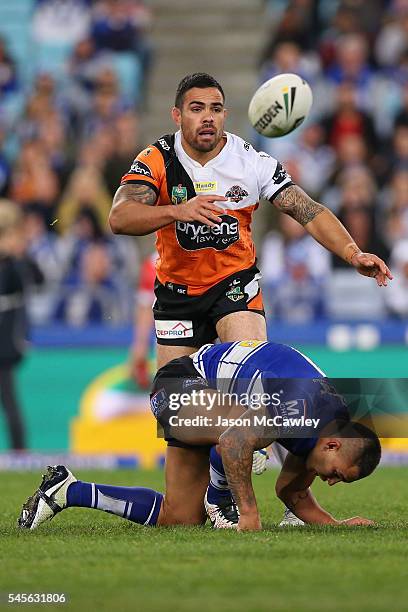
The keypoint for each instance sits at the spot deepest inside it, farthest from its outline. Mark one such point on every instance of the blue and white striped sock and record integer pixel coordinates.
(218, 486)
(136, 504)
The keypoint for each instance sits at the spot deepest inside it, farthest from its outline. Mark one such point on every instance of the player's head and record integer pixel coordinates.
(199, 111)
(345, 452)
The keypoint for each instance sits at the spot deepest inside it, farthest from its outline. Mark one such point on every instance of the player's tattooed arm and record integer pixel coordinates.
(326, 229)
(139, 192)
(237, 445)
(295, 202)
(133, 211)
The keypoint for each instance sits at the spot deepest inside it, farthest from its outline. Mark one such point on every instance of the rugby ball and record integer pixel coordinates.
(280, 105)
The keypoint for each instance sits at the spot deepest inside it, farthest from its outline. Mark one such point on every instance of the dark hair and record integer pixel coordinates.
(370, 454)
(198, 79)
(364, 444)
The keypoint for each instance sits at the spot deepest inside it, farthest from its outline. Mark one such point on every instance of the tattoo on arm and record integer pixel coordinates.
(295, 202)
(237, 459)
(141, 193)
(299, 496)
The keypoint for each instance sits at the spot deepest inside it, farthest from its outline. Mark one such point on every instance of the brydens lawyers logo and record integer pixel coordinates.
(174, 329)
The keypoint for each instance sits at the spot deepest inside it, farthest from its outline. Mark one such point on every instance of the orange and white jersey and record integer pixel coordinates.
(192, 254)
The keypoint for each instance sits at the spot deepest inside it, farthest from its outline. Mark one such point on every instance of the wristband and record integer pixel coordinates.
(349, 251)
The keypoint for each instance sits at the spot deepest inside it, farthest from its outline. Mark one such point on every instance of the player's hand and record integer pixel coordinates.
(357, 520)
(139, 370)
(201, 208)
(249, 522)
(371, 265)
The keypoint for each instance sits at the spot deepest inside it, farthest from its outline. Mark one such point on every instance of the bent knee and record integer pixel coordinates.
(176, 514)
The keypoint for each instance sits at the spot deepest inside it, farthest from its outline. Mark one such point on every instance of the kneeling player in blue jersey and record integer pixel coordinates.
(276, 393)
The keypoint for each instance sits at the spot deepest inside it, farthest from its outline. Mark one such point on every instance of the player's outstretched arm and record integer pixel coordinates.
(292, 488)
(324, 226)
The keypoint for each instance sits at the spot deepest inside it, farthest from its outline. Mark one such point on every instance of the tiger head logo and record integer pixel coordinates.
(236, 193)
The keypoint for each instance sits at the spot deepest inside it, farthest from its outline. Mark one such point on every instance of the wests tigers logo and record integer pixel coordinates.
(236, 193)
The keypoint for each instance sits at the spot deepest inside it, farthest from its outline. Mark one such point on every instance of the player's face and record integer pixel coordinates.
(331, 464)
(201, 118)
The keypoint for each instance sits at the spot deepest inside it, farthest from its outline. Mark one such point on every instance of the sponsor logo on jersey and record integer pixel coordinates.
(181, 289)
(247, 146)
(293, 408)
(205, 186)
(163, 144)
(280, 174)
(159, 402)
(235, 294)
(250, 343)
(147, 152)
(263, 154)
(179, 194)
(192, 382)
(193, 235)
(236, 193)
(174, 329)
(139, 167)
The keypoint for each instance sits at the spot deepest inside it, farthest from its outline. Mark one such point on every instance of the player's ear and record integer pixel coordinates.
(332, 444)
(176, 115)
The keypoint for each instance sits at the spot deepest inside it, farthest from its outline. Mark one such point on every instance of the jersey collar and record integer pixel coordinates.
(187, 160)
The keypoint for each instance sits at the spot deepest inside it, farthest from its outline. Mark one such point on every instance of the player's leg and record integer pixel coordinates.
(60, 489)
(166, 353)
(244, 325)
(187, 477)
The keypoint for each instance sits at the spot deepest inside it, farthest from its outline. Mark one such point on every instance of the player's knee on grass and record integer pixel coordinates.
(177, 513)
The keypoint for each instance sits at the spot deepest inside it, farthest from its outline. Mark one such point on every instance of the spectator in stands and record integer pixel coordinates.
(17, 273)
(360, 221)
(315, 160)
(396, 200)
(107, 104)
(60, 22)
(402, 115)
(85, 190)
(34, 181)
(5, 170)
(348, 119)
(351, 65)
(294, 285)
(286, 56)
(8, 72)
(391, 42)
(396, 299)
(122, 26)
(94, 298)
(126, 142)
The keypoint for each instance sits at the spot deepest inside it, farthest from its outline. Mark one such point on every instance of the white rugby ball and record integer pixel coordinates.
(280, 105)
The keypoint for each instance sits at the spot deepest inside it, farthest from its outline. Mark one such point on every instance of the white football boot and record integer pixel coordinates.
(290, 520)
(223, 515)
(49, 499)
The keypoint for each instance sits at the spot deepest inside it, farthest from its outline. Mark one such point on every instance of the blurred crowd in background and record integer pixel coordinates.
(69, 128)
(352, 155)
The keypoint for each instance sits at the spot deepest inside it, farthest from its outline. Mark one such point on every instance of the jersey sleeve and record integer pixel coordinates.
(146, 169)
(272, 176)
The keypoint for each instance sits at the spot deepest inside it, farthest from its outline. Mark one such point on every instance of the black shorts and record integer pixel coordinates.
(177, 376)
(190, 320)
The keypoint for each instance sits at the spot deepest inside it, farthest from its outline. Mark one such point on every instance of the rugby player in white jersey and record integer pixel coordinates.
(198, 189)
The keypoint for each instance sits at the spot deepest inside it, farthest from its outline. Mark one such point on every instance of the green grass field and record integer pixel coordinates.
(103, 562)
